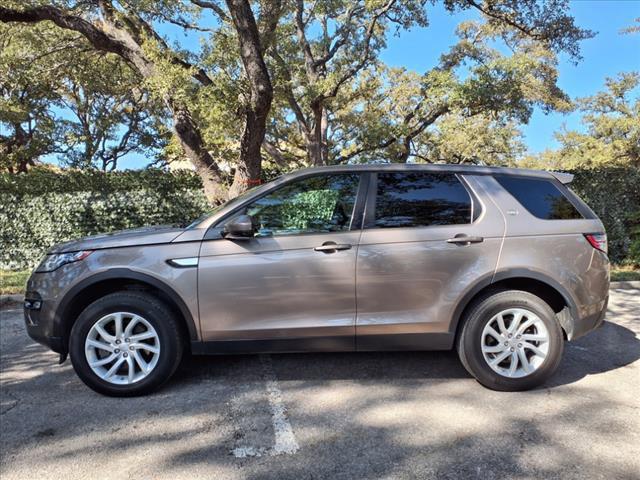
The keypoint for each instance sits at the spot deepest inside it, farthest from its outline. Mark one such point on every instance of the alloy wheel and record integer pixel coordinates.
(515, 342)
(122, 348)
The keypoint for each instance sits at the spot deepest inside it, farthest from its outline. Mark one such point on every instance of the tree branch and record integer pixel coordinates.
(214, 7)
(309, 61)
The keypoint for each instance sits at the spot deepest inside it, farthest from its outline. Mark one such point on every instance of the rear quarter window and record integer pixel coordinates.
(542, 198)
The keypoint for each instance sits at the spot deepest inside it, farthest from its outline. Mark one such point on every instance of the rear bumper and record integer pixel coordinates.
(591, 321)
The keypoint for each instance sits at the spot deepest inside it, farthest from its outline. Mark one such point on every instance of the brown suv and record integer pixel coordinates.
(501, 264)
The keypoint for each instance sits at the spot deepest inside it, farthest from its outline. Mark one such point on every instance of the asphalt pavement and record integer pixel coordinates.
(347, 415)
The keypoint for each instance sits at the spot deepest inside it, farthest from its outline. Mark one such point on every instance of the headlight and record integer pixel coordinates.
(52, 262)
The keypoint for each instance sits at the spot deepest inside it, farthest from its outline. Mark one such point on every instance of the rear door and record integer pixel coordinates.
(292, 286)
(428, 238)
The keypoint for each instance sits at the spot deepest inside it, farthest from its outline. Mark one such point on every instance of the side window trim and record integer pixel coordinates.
(215, 230)
(372, 197)
(476, 204)
(370, 207)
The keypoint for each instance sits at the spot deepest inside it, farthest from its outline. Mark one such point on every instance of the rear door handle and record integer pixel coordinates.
(330, 247)
(465, 239)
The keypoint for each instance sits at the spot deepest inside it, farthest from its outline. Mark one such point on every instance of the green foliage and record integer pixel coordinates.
(633, 222)
(612, 193)
(40, 208)
(317, 205)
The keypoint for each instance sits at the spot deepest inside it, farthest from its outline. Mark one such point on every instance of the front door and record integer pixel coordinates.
(291, 286)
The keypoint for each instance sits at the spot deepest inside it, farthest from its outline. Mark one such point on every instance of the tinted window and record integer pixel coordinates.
(541, 198)
(313, 205)
(417, 199)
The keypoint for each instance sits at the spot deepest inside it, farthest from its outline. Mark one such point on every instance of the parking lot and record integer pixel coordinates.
(356, 415)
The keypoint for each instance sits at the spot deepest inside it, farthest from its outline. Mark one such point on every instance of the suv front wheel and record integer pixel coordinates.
(126, 343)
(510, 341)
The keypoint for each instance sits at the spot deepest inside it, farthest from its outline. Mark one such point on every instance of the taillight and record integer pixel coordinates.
(597, 241)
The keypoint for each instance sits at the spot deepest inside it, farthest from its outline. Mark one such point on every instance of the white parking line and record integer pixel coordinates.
(285, 441)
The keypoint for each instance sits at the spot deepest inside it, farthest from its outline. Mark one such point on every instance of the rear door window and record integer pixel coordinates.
(542, 198)
(420, 199)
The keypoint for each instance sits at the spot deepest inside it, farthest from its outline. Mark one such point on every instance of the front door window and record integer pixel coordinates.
(319, 204)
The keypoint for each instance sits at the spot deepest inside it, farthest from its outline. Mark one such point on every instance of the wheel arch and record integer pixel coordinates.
(96, 286)
(536, 283)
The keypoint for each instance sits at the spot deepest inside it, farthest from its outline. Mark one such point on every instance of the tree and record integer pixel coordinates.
(126, 29)
(325, 46)
(336, 102)
(611, 135)
(59, 96)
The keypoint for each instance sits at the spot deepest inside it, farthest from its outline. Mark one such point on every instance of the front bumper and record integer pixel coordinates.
(38, 318)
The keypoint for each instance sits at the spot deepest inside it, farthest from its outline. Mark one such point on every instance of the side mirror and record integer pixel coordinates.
(240, 228)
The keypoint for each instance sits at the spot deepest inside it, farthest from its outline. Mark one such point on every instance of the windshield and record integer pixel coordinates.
(216, 209)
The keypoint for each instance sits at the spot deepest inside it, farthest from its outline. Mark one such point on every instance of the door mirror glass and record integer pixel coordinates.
(239, 228)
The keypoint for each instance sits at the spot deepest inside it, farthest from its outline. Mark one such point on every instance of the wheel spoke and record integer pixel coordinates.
(142, 336)
(114, 368)
(530, 321)
(493, 348)
(103, 361)
(515, 322)
(100, 345)
(534, 349)
(526, 366)
(104, 334)
(514, 364)
(145, 346)
(144, 366)
(118, 321)
(501, 326)
(534, 338)
(500, 357)
(134, 321)
(130, 370)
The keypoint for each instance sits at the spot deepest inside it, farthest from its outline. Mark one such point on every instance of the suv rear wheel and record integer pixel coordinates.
(126, 343)
(510, 341)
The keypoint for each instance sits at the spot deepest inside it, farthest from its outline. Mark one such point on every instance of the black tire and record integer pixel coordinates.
(470, 338)
(151, 309)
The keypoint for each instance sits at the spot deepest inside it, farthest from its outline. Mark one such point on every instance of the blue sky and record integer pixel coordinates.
(604, 56)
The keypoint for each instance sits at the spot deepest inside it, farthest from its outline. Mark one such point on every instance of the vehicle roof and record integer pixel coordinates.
(462, 169)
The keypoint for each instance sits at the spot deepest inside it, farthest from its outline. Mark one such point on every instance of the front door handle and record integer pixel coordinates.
(330, 247)
(462, 239)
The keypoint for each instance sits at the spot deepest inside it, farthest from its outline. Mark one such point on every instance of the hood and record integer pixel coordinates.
(122, 238)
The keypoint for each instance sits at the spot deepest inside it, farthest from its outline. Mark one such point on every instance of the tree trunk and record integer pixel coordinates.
(191, 141)
(317, 148)
(256, 113)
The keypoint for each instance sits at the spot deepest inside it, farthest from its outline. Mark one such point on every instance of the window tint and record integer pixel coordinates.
(540, 197)
(313, 205)
(421, 199)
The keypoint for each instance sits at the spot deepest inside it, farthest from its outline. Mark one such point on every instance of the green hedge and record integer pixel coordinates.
(44, 207)
(614, 195)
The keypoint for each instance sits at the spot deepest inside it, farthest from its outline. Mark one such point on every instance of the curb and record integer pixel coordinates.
(9, 299)
(625, 285)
